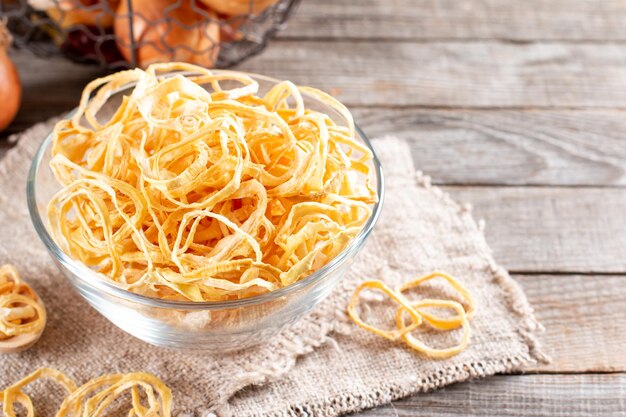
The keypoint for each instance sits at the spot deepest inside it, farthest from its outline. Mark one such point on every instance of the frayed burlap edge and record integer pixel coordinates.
(297, 344)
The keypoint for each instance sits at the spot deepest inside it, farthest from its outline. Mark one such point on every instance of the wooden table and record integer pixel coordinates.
(514, 106)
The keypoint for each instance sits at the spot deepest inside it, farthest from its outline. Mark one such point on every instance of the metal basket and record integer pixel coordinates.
(49, 27)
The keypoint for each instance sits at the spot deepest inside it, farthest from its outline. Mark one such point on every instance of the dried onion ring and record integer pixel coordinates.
(420, 346)
(21, 310)
(448, 323)
(397, 297)
(418, 316)
(92, 398)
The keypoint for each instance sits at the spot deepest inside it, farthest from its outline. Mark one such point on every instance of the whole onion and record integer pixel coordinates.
(164, 31)
(69, 13)
(239, 7)
(10, 87)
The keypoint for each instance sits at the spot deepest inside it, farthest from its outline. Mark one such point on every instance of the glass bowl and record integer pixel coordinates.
(209, 326)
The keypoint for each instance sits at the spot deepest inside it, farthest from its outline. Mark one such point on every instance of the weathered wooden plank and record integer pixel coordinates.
(583, 316)
(395, 74)
(547, 229)
(588, 395)
(509, 147)
(453, 74)
(528, 20)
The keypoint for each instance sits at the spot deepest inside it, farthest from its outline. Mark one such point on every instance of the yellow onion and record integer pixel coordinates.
(67, 13)
(10, 87)
(230, 29)
(238, 7)
(164, 31)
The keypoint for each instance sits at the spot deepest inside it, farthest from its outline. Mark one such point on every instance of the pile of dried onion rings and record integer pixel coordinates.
(194, 191)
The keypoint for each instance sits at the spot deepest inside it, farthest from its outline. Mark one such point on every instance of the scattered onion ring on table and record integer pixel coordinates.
(419, 316)
(22, 313)
(93, 398)
(189, 194)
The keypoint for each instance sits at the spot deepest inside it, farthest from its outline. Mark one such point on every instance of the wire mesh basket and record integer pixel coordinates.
(129, 33)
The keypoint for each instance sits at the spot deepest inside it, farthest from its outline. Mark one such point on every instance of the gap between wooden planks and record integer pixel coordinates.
(424, 20)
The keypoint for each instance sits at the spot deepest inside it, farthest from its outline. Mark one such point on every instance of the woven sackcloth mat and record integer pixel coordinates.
(323, 365)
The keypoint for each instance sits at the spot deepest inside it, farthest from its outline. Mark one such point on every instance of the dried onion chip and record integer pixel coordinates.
(444, 323)
(93, 398)
(21, 310)
(420, 346)
(205, 194)
(397, 297)
(415, 309)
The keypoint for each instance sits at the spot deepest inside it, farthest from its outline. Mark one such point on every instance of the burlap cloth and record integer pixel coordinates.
(323, 365)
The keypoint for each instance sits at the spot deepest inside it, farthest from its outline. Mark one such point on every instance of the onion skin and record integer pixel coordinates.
(238, 7)
(230, 28)
(70, 13)
(10, 86)
(160, 37)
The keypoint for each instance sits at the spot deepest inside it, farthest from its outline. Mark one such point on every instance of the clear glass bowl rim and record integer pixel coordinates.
(95, 281)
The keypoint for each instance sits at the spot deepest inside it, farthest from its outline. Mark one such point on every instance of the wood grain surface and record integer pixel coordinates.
(428, 20)
(483, 74)
(519, 396)
(552, 229)
(583, 318)
(503, 147)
